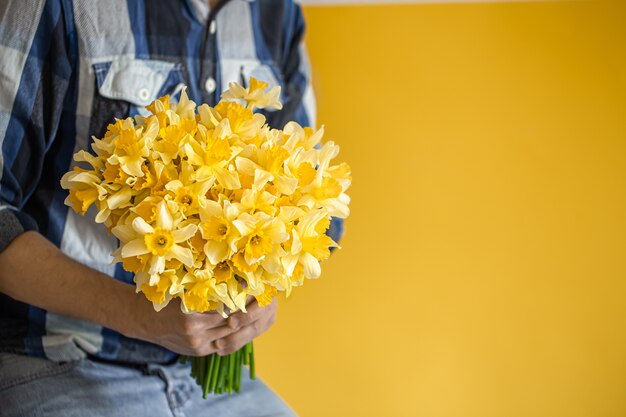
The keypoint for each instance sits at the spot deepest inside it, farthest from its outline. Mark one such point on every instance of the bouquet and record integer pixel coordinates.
(211, 206)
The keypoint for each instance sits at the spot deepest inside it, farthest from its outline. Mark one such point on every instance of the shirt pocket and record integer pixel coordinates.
(126, 85)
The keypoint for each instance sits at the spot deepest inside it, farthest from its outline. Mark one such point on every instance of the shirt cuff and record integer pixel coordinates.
(12, 224)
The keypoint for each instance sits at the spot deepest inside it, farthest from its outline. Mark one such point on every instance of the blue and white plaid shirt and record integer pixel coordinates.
(67, 69)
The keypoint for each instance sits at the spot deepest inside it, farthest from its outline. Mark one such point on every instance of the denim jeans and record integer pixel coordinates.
(37, 387)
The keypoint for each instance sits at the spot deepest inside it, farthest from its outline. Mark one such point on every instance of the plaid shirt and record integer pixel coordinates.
(67, 69)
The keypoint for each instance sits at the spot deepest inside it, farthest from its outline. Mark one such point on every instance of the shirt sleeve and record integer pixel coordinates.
(35, 71)
(300, 98)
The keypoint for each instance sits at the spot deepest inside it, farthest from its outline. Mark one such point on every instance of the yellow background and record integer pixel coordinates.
(483, 272)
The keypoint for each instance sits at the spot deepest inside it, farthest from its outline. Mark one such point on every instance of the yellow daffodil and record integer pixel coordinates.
(161, 241)
(261, 234)
(273, 171)
(167, 146)
(212, 157)
(203, 292)
(83, 189)
(253, 200)
(187, 193)
(242, 121)
(305, 137)
(216, 226)
(308, 246)
(326, 190)
(159, 109)
(160, 288)
(255, 95)
(117, 197)
(132, 147)
(185, 108)
(198, 297)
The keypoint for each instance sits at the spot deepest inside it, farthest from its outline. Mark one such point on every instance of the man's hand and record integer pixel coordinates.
(246, 326)
(200, 334)
(187, 334)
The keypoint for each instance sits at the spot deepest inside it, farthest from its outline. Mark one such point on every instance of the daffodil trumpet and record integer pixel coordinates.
(212, 206)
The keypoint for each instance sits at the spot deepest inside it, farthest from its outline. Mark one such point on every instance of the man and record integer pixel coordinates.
(73, 341)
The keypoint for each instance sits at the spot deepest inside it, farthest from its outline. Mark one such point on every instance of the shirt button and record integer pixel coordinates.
(212, 27)
(210, 85)
(144, 94)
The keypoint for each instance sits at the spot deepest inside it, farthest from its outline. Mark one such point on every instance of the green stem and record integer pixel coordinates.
(207, 378)
(201, 369)
(245, 354)
(229, 374)
(252, 369)
(224, 374)
(214, 376)
(237, 370)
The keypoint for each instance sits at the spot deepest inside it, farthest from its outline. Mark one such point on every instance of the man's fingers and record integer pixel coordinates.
(213, 336)
(241, 319)
(220, 332)
(238, 339)
(254, 313)
(203, 344)
(211, 320)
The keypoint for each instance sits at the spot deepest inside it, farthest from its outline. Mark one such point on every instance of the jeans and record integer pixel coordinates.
(36, 387)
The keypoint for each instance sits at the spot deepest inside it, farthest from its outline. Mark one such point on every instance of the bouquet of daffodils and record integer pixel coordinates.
(211, 206)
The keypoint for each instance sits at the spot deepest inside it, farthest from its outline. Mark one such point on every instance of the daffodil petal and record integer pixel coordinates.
(182, 254)
(311, 266)
(157, 265)
(221, 290)
(160, 306)
(272, 264)
(132, 166)
(240, 301)
(289, 262)
(124, 232)
(296, 243)
(210, 208)
(216, 251)
(184, 233)
(134, 248)
(261, 177)
(140, 278)
(286, 185)
(120, 198)
(244, 224)
(141, 226)
(103, 215)
(228, 179)
(164, 218)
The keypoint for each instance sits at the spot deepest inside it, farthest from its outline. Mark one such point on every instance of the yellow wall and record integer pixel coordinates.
(484, 267)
